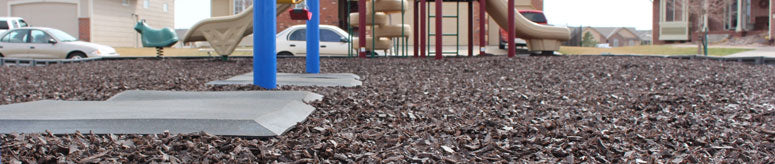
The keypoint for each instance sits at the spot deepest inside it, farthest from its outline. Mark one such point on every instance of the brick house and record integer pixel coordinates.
(108, 22)
(335, 12)
(614, 36)
(672, 21)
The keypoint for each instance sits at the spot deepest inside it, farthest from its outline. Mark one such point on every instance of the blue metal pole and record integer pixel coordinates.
(313, 37)
(265, 52)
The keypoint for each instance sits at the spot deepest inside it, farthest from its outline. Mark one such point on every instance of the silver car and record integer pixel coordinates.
(48, 43)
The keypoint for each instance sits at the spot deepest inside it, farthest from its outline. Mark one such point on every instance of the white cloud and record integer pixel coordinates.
(601, 13)
(188, 12)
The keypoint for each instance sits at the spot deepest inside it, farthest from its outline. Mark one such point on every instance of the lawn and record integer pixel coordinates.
(648, 50)
(144, 52)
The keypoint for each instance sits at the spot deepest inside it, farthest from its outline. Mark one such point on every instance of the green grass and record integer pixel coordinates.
(648, 50)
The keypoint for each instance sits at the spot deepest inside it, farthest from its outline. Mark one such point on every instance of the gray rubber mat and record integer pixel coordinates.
(289, 79)
(249, 113)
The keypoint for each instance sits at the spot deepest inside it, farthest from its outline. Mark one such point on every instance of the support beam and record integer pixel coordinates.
(265, 55)
(423, 23)
(313, 37)
(482, 28)
(470, 28)
(439, 33)
(510, 31)
(362, 28)
(416, 29)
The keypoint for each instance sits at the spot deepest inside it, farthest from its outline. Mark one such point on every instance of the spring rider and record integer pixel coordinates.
(157, 38)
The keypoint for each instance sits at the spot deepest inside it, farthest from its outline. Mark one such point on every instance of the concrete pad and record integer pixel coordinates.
(254, 113)
(290, 79)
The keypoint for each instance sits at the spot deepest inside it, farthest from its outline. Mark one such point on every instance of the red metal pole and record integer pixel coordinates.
(416, 27)
(439, 35)
(511, 31)
(423, 23)
(470, 28)
(482, 28)
(362, 28)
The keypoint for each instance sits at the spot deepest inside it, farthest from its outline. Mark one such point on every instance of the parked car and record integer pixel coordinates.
(8, 23)
(48, 43)
(293, 41)
(536, 16)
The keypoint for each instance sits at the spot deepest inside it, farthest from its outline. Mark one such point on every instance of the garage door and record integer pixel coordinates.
(63, 16)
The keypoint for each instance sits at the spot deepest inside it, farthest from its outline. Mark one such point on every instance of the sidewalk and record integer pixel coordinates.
(759, 51)
(766, 51)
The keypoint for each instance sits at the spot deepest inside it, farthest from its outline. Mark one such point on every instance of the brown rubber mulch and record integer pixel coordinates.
(534, 109)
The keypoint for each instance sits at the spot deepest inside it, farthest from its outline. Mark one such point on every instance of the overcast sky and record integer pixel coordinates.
(602, 13)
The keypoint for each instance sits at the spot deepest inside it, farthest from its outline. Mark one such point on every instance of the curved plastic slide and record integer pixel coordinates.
(225, 33)
(539, 37)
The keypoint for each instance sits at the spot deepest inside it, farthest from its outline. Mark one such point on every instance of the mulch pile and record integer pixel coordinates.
(533, 109)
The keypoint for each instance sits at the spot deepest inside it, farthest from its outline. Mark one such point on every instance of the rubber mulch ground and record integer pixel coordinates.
(536, 109)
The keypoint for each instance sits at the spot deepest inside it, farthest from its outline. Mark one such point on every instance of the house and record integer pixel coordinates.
(614, 36)
(108, 22)
(645, 36)
(336, 12)
(674, 23)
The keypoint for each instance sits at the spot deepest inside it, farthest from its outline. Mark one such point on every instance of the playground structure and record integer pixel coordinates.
(225, 33)
(382, 32)
(541, 39)
(157, 38)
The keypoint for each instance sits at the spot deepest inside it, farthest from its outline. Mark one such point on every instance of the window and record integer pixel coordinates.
(61, 35)
(329, 36)
(125, 2)
(15, 24)
(165, 7)
(39, 36)
(16, 36)
(730, 14)
(146, 4)
(326, 35)
(3, 25)
(22, 23)
(241, 5)
(674, 10)
(298, 35)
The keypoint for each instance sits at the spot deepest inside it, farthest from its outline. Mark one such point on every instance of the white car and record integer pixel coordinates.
(8, 23)
(293, 41)
(48, 43)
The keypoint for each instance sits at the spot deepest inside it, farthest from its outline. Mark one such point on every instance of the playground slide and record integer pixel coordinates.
(539, 37)
(225, 33)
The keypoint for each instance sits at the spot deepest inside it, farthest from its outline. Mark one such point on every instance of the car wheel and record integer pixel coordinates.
(501, 46)
(1, 56)
(76, 55)
(284, 54)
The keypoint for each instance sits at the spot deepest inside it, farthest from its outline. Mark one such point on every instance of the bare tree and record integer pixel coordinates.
(705, 11)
